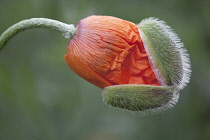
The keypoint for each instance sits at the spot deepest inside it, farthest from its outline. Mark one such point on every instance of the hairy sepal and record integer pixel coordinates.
(144, 98)
(167, 54)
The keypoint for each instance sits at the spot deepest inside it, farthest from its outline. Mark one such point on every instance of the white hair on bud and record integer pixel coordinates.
(174, 99)
(148, 112)
(178, 46)
(135, 102)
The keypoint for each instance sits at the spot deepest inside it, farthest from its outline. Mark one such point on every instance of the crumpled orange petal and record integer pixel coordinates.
(108, 51)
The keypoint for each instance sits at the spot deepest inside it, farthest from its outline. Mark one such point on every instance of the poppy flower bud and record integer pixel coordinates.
(140, 67)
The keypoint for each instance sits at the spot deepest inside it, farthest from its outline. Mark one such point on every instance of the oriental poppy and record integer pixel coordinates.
(140, 67)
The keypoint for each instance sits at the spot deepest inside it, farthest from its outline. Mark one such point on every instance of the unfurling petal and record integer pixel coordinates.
(108, 51)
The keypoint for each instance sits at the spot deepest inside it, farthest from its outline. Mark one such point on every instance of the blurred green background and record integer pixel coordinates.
(42, 99)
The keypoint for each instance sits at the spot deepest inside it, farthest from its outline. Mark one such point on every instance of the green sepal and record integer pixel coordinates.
(164, 49)
(139, 97)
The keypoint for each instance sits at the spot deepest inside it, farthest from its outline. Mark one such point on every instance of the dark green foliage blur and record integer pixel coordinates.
(42, 99)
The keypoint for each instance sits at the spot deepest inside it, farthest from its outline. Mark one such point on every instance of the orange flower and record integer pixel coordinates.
(109, 51)
(119, 56)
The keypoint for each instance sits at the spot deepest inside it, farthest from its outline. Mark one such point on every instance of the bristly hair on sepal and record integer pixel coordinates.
(170, 50)
(142, 100)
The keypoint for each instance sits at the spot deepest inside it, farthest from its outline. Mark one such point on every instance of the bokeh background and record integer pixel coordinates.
(42, 99)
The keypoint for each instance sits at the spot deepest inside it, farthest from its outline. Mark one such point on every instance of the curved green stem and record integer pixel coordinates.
(67, 30)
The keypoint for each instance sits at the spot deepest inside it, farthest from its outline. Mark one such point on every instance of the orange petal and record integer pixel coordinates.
(109, 51)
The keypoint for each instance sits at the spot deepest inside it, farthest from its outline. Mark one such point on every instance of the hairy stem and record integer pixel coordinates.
(67, 30)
